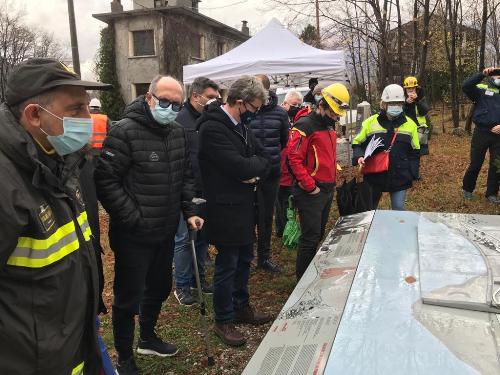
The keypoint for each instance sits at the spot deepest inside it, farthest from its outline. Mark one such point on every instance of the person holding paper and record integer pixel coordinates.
(389, 131)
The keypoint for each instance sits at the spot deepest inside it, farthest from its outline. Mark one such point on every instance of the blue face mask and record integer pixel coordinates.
(77, 133)
(394, 110)
(317, 98)
(497, 82)
(163, 116)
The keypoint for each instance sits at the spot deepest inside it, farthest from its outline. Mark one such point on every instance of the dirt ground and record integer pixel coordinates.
(438, 190)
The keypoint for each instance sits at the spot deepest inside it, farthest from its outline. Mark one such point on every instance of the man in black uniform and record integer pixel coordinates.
(48, 271)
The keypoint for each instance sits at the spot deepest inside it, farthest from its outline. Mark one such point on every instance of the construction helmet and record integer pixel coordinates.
(337, 97)
(393, 93)
(96, 103)
(410, 82)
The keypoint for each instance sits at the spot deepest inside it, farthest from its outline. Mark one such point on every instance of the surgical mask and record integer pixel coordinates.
(247, 117)
(163, 116)
(497, 82)
(317, 98)
(394, 110)
(77, 133)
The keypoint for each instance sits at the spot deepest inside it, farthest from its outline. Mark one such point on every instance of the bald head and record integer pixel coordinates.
(264, 80)
(164, 87)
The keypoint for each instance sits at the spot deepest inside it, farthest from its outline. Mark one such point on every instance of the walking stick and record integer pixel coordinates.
(203, 309)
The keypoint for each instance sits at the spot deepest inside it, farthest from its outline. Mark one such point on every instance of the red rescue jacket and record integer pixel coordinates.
(311, 152)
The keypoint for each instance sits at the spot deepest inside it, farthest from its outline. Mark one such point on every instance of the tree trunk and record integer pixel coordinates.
(482, 44)
(425, 43)
(400, 41)
(415, 37)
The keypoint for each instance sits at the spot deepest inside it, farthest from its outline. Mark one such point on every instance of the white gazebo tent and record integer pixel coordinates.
(276, 52)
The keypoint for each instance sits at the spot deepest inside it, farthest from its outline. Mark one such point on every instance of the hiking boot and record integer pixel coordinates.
(127, 367)
(184, 296)
(229, 334)
(205, 287)
(493, 199)
(248, 315)
(467, 195)
(155, 346)
(269, 266)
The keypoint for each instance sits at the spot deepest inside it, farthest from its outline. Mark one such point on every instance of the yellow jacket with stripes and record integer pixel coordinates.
(48, 272)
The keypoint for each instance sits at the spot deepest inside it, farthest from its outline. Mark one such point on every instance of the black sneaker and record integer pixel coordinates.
(155, 346)
(184, 296)
(205, 287)
(269, 266)
(127, 367)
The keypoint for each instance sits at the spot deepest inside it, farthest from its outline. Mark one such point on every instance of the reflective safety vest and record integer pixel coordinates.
(485, 87)
(422, 120)
(99, 129)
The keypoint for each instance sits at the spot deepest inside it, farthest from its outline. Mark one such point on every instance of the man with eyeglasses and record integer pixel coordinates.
(144, 180)
(232, 162)
(311, 153)
(201, 91)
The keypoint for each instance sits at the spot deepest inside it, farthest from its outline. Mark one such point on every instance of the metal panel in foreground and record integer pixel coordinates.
(300, 339)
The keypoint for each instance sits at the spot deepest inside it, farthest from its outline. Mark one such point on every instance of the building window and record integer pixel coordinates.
(221, 48)
(141, 89)
(161, 3)
(198, 47)
(143, 43)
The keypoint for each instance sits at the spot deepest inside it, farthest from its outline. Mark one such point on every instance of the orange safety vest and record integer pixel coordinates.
(99, 129)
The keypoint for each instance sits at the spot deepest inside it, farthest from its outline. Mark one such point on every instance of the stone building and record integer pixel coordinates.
(160, 37)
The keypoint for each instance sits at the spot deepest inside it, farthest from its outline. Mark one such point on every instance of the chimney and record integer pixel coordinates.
(194, 7)
(244, 28)
(116, 6)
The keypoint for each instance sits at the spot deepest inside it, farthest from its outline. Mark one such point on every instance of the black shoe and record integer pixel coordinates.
(205, 287)
(127, 367)
(269, 266)
(493, 199)
(184, 296)
(155, 346)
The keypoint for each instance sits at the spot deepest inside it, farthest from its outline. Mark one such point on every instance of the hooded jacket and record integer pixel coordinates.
(271, 127)
(486, 98)
(144, 176)
(48, 275)
(227, 158)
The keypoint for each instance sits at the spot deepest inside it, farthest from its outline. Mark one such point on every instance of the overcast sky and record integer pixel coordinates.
(52, 15)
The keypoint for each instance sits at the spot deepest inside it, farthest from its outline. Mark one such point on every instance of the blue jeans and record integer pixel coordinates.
(183, 257)
(398, 199)
(232, 270)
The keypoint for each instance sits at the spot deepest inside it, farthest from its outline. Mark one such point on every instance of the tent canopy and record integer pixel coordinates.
(276, 52)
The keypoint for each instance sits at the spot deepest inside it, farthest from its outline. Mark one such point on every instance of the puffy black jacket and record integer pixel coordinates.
(188, 117)
(271, 127)
(227, 158)
(48, 275)
(143, 175)
(487, 101)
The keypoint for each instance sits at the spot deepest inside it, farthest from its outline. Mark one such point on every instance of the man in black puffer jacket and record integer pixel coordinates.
(144, 179)
(270, 127)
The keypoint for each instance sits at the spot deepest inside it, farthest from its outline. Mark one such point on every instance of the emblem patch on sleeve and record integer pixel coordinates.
(46, 217)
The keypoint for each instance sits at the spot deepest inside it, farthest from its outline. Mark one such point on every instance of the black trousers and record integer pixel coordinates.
(268, 190)
(313, 215)
(481, 142)
(280, 209)
(143, 281)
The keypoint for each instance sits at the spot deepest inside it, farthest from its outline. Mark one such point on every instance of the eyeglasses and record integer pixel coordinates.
(165, 103)
(257, 109)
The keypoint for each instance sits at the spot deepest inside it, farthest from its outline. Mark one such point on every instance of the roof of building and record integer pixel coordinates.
(178, 10)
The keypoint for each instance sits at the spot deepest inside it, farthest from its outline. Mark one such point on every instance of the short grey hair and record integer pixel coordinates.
(156, 79)
(247, 89)
(293, 95)
(43, 99)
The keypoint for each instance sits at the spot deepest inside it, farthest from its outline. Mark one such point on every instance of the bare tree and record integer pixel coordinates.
(19, 42)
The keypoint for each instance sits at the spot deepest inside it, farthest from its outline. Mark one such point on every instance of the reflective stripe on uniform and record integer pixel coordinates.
(36, 253)
(78, 370)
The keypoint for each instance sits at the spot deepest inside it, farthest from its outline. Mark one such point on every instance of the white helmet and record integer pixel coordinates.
(96, 103)
(393, 93)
